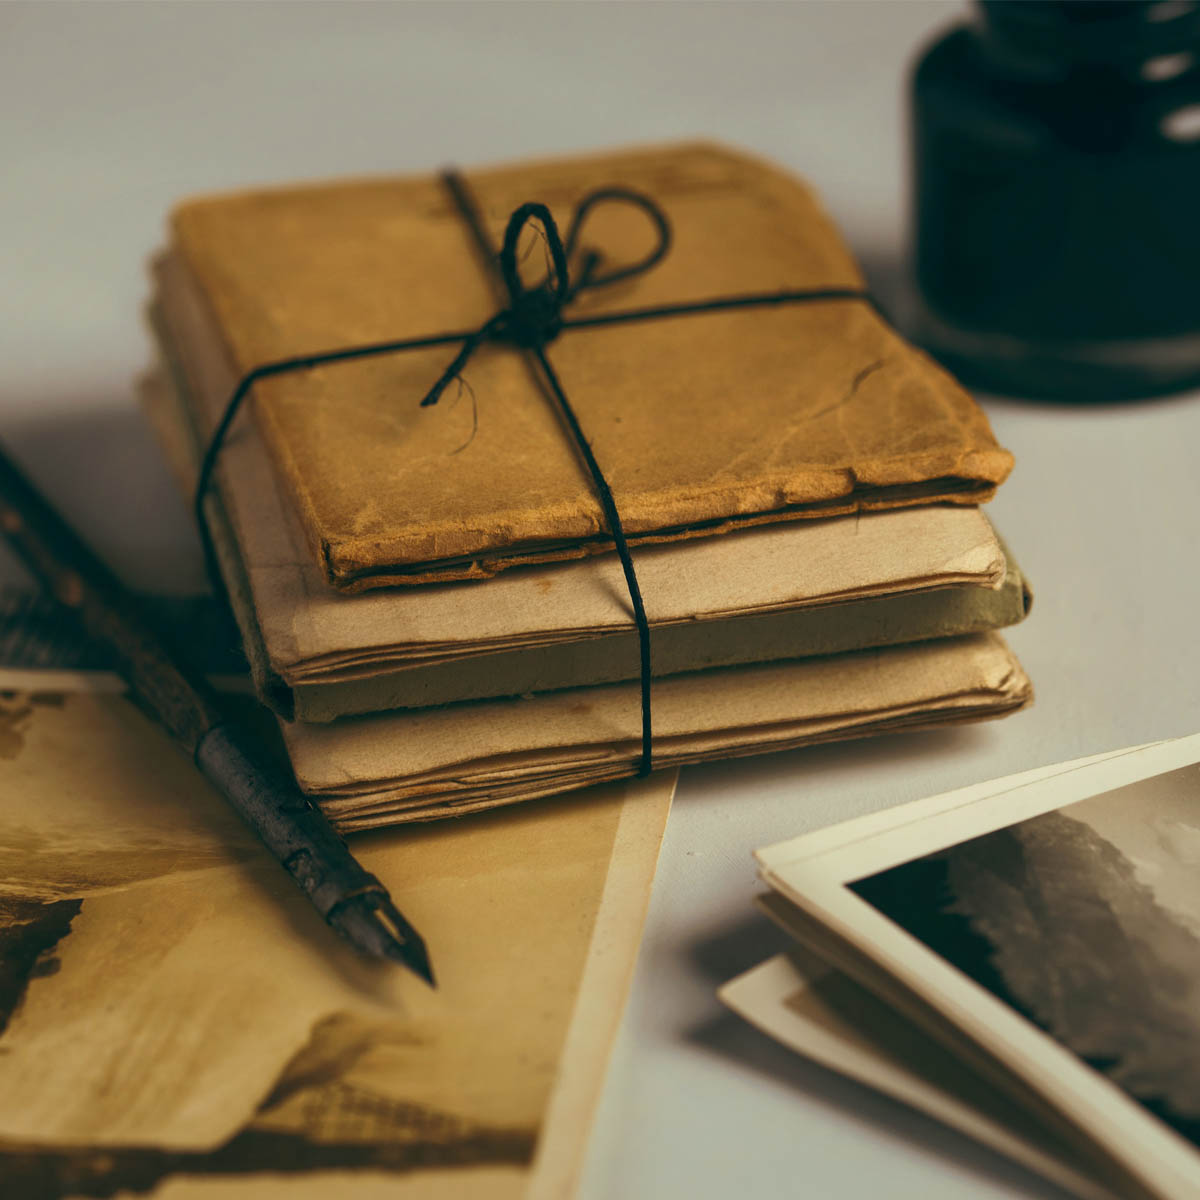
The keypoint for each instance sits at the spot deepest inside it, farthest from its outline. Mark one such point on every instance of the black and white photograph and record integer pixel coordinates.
(1086, 921)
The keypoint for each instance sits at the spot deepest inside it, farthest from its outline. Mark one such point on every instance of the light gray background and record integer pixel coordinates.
(109, 112)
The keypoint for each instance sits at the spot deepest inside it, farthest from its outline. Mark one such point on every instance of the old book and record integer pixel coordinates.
(703, 423)
(401, 766)
(1043, 929)
(783, 591)
(175, 1021)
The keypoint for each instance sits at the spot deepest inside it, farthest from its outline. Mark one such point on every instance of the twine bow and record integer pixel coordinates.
(534, 316)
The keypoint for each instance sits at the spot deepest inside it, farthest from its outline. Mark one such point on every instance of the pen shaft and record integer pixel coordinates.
(294, 830)
(108, 614)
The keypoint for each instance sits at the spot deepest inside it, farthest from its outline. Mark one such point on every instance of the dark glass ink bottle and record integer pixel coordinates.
(1057, 197)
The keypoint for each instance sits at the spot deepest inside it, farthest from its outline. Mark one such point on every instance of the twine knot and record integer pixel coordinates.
(534, 315)
(535, 319)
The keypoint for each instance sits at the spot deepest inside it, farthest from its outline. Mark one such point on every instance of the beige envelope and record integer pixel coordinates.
(702, 423)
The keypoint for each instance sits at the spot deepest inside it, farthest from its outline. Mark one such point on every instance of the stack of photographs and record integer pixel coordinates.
(1020, 959)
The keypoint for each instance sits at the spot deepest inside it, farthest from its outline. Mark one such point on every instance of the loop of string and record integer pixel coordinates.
(531, 319)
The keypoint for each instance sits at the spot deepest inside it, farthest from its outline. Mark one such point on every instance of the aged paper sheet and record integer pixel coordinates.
(173, 1017)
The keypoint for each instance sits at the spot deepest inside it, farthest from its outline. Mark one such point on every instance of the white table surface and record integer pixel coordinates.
(109, 112)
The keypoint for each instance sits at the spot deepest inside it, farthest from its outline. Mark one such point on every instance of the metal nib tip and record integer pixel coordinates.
(414, 956)
(375, 926)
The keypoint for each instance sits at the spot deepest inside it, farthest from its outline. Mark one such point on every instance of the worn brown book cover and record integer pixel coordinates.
(702, 422)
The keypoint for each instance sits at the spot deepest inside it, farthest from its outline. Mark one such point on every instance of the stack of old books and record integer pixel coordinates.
(429, 596)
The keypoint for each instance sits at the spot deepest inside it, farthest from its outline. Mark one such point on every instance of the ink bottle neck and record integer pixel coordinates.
(1134, 42)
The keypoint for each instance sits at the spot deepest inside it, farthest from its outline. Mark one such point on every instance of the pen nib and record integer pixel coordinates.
(373, 924)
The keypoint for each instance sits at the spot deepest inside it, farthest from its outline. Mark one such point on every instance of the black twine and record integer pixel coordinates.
(531, 319)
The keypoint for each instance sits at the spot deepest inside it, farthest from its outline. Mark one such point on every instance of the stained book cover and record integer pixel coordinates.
(702, 423)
